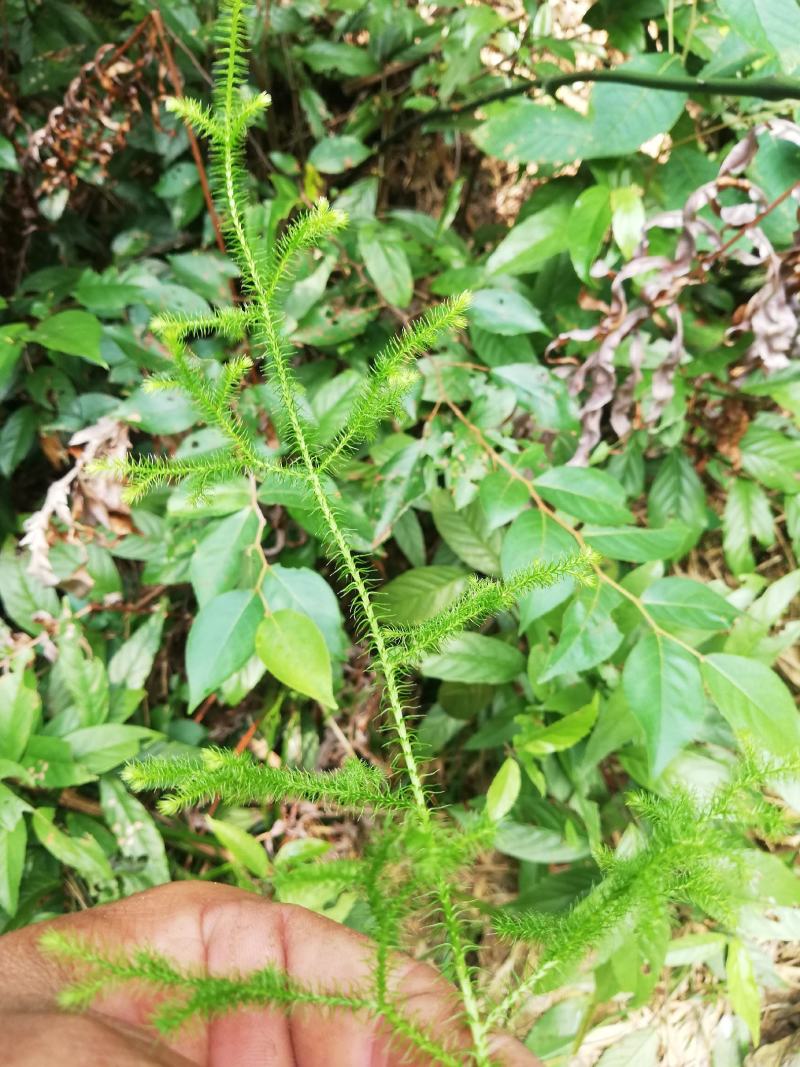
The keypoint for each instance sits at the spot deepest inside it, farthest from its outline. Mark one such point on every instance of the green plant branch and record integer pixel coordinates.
(222, 772)
(693, 853)
(483, 598)
(773, 89)
(575, 534)
(262, 287)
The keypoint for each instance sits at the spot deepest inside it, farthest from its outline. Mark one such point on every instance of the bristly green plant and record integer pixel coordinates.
(687, 849)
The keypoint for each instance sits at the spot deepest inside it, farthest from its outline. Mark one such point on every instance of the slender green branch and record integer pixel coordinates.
(773, 89)
(221, 772)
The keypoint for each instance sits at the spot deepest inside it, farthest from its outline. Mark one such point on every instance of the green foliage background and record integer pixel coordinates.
(140, 630)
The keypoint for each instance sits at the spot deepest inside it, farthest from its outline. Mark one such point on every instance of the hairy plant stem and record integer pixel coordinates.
(278, 365)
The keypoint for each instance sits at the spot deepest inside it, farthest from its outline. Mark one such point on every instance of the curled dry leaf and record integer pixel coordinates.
(94, 119)
(78, 498)
(771, 314)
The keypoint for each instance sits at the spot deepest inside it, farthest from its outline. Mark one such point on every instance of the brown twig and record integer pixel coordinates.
(177, 85)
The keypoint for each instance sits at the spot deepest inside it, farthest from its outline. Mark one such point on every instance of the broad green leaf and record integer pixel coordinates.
(743, 988)
(664, 690)
(339, 58)
(331, 325)
(221, 499)
(332, 402)
(76, 333)
(537, 844)
(219, 558)
(770, 26)
(754, 700)
(466, 532)
(620, 119)
(105, 294)
(293, 650)
(306, 591)
(504, 312)
(677, 603)
(776, 599)
(772, 458)
(12, 769)
(12, 861)
(559, 735)
(542, 393)
(588, 636)
(19, 712)
(16, 437)
(12, 808)
(137, 835)
(207, 273)
(502, 498)
(22, 595)
(747, 515)
(536, 536)
(101, 748)
(83, 853)
(242, 846)
(51, 765)
(474, 658)
(639, 1049)
(78, 691)
(636, 544)
(503, 790)
(586, 493)
(13, 336)
(555, 1030)
(132, 662)
(164, 411)
(627, 218)
(387, 264)
(8, 157)
(587, 227)
(221, 640)
(677, 495)
(419, 594)
(532, 242)
(334, 155)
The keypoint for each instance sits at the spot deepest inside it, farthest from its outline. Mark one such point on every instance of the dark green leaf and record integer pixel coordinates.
(387, 264)
(533, 535)
(635, 543)
(747, 515)
(221, 640)
(589, 635)
(466, 532)
(219, 559)
(587, 228)
(335, 155)
(754, 700)
(77, 333)
(620, 119)
(681, 602)
(16, 437)
(12, 861)
(474, 658)
(22, 595)
(420, 593)
(504, 312)
(586, 493)
(664, 690)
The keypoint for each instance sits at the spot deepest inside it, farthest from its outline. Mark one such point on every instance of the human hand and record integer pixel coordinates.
(221, 930)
